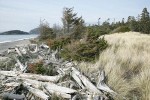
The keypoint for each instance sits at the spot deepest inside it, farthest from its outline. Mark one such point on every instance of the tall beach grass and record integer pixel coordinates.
(126, 64)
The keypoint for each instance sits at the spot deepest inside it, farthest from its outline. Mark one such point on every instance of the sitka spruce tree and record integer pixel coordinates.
(45, 31)
(72, 25)
(145, 21)
(68, 19)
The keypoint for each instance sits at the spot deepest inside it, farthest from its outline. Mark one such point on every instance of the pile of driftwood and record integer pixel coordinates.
(69, 83)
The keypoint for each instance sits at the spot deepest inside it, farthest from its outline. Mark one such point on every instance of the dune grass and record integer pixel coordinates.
(126, 64)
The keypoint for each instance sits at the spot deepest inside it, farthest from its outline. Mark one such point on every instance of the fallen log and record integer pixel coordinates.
(75, 74)
(36, 92)
(58, 91)
(86, 83)
(59, 88)
(101, 84)
(18, 51)
(9, 73)
(51, 88)
(32, 76)
(22, 67)
(41, 77)
(12, 84)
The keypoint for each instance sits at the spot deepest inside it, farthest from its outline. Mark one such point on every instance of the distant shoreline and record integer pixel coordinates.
(5, 45)
(18, 40)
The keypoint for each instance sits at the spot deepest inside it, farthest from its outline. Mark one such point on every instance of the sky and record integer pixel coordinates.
(26, 14)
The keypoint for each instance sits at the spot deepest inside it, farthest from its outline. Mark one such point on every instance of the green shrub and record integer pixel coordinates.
(46, 32)
(58, 42)
(88, 51)
(37, 68)
(40, 69)
(121, 29)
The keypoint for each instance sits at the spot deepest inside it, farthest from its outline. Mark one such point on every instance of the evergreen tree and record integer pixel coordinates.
(72, 24)
(68, 19)
(145, 21)
(123, 23)
(45, 31)
(78, 28)
(132, 23)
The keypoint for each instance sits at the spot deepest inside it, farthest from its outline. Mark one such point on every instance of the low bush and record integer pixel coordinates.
(36, 68)
(121, 29)
(59, 42)
(39, 68)
(87, 51)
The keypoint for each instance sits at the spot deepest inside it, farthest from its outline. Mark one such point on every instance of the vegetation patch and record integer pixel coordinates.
(88, 51)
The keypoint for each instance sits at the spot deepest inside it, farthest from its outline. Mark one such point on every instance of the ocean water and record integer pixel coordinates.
(10, 38)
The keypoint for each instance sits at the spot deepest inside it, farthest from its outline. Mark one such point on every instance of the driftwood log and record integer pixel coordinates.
(32, 76)
(84, 81)
(101, 84)
(36, 92)
(51, 88)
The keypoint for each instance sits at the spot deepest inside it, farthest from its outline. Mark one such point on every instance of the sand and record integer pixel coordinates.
(6, 45)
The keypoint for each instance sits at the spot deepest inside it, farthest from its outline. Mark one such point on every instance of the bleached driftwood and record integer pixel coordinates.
(33, 46)
(52, 88)
(75, 74)
(22, 67)
(18, 51)
(13, 84)
(33, 83)
(53, 56)
(36, 92)
(41, 77)
(69, 84)
(9, 73)
(44, 46)
(23, 50)
(58, 90)
(85, 82)
(101, 84)
(32, 76)
(11, 50)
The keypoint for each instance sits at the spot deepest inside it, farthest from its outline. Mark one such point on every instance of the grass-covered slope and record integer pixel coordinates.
(127, 65)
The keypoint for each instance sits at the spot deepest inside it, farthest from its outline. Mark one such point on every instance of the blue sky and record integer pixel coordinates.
(25, 14)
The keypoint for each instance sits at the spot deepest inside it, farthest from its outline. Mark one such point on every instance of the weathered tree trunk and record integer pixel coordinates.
(22, 67)
(37, 92)
(32, 76)
(52, 88)
(101, 84)
(41, 77)
(18, 51)
(85, 81)
(8, 73)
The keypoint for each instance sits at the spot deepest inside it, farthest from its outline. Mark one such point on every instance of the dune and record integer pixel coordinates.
(126, 63)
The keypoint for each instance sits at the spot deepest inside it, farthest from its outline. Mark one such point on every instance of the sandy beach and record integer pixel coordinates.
(6, 45)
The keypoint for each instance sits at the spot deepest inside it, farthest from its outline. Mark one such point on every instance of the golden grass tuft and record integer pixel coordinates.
(126, 64)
